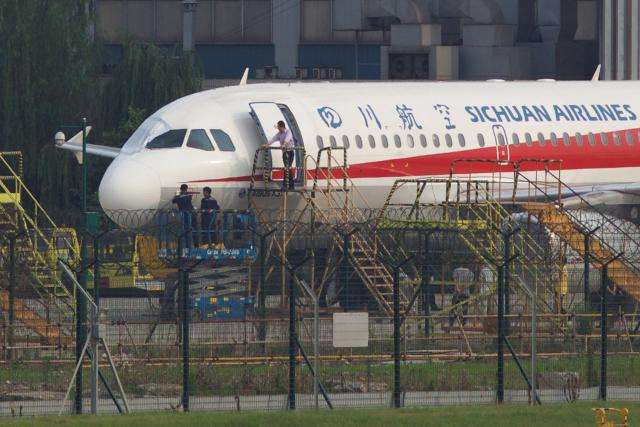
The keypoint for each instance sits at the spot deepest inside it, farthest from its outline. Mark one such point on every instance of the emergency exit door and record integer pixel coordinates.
(503, 156)
(266, 116)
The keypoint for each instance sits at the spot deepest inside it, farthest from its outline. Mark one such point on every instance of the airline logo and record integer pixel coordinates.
(554, 113)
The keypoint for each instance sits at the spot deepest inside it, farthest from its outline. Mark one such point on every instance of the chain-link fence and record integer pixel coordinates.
(434, 306)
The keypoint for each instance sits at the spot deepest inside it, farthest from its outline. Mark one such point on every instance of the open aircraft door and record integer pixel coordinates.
(266, 116)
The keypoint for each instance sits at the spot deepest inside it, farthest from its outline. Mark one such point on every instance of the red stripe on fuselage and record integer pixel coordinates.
(572, 157)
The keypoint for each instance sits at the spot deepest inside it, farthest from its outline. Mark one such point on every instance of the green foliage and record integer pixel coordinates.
(50, 76)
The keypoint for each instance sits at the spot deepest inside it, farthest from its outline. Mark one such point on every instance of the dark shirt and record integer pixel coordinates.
(209, 203)
(183, 200)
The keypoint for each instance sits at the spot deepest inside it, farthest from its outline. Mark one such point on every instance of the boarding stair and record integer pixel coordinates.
(38, 245)
(571, 227)
(334, 200)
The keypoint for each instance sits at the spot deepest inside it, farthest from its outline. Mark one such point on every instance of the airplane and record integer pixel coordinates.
(390, 130)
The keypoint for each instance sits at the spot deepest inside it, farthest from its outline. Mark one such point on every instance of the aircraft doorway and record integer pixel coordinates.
(266, 115)
(501, 141)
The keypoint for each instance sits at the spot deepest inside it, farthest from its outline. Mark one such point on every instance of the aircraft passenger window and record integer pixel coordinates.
(515, 138)
(566, 139)
(501, 140)
(616, 138)
(385, 141)
(423, 141)
(222, 140)
(481, 140)
(554, 139)
(170, 139)
(579, 139)
(447, 138)
(199, 140)
(410, 142)
(461, 140)
(604, 139)
(332, 140)
(592, 139)
(358, 141)
(345, 141)
(319, 142)
(629, 137)
(372, 141)
(397, 141)
(541, 140)
(529, 139)
(436, 140)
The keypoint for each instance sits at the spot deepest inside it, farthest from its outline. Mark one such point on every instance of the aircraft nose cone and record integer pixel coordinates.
(128, 185)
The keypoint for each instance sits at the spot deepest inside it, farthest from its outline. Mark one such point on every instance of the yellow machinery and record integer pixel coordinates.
(603, 421)
(38, 243)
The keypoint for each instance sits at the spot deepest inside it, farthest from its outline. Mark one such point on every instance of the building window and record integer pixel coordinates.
(397, 141)
(515, 139)
(199, 140)
(358, 141)
(345, 141)
(372, 141)
(554, 139)
(436, 140)
(541, 140)
(410, 142)
(319, 142)
(481, 142)
(222, 140)
(529, 139)
(566, 139)
(385, 141)
(449, 141)
(423, 141)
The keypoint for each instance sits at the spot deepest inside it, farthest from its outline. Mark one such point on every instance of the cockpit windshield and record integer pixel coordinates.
(148, 130)
(170, 139)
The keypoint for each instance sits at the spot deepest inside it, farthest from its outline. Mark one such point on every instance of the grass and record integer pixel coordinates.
(208, 379)
(578, 414)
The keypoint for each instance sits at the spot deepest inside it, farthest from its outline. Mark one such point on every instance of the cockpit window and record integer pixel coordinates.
(198, 139)
(169, 139)
(222, 140)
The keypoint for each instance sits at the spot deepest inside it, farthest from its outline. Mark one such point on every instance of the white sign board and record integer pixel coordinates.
(350, 329)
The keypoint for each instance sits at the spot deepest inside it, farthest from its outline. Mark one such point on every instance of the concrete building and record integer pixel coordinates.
(385, 39)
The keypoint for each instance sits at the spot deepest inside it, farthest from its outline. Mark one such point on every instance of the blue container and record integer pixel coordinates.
(221, 308)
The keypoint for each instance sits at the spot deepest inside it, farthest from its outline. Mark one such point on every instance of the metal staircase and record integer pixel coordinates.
(38, 244)
(571, 228)
(333, 199)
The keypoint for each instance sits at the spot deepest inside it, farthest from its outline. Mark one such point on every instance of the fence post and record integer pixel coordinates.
(345, 270)
(396, 338)
(12, 296)
(81, 315)
(95, 331)
(500, 292)
(587, 267)
(603, 332)
(262, 329)
(426, 284)
(184, 285)
(292, 342)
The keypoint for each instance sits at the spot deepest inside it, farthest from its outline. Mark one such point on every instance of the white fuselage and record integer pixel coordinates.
(592, 127)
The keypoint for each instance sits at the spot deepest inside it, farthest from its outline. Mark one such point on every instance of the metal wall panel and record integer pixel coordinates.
(342, 56)
(111, 20)
(257, 20)
(316, 20)
(204, 21)
(229, 61)
(141, 16)
(169, 24)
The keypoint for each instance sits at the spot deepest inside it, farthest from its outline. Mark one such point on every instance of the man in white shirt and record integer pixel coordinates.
(285, 138)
